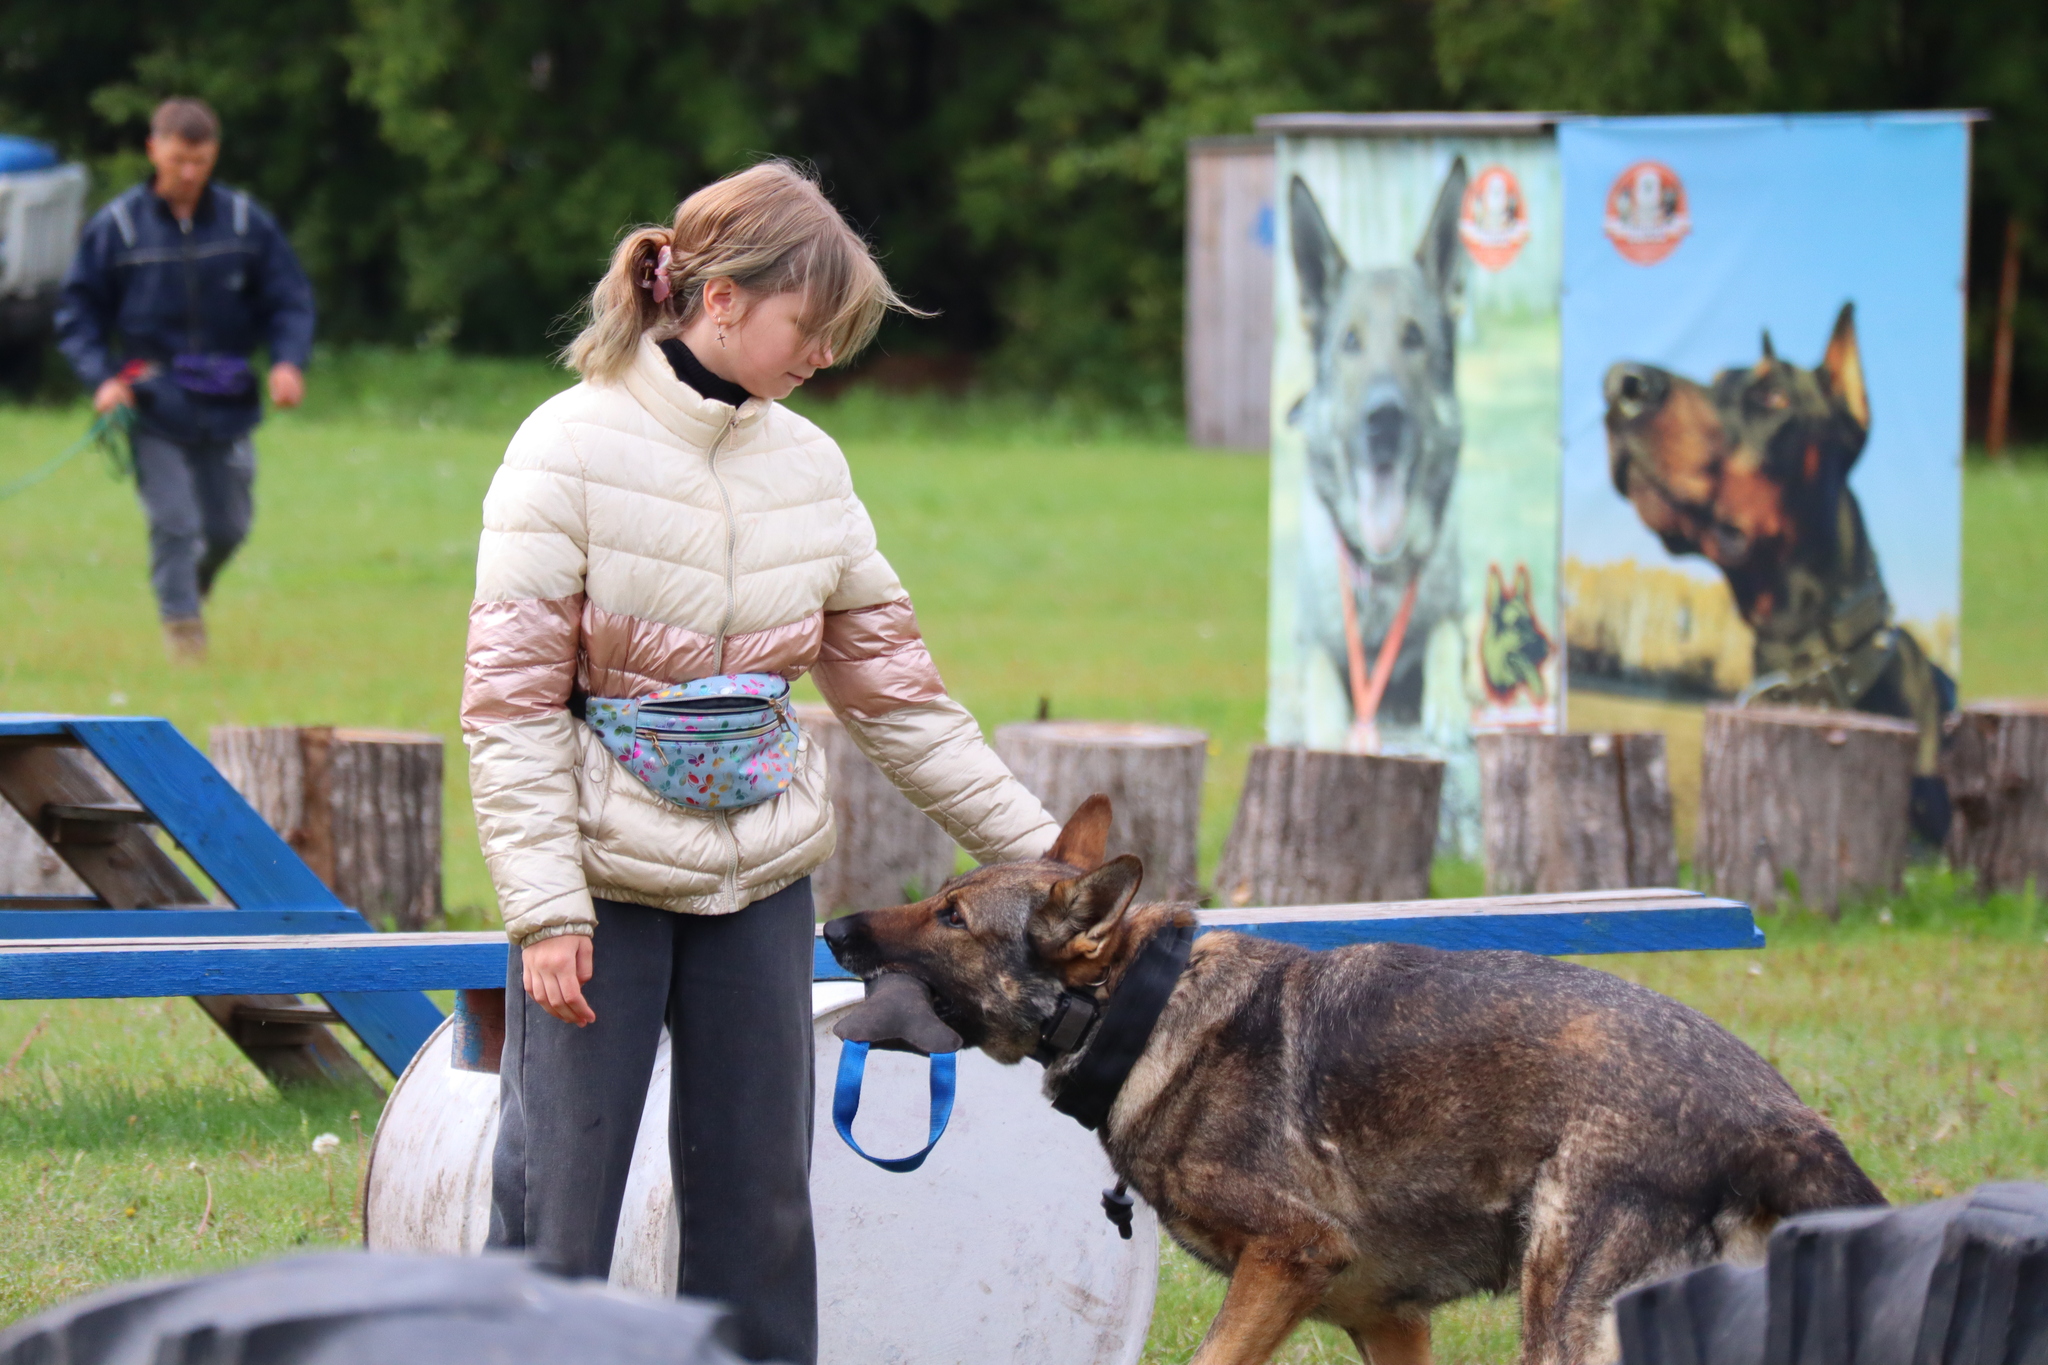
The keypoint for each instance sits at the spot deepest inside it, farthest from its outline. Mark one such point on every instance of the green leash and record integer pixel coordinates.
(109, 432)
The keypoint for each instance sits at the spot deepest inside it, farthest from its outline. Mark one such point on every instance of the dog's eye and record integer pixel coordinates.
(950, 916)
(1412, 338)
(1352, 343)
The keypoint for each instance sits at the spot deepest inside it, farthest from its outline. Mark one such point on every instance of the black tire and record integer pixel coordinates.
(1962, 1281)
(355, 1308)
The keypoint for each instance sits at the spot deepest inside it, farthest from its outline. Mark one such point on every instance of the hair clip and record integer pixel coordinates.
(657, 284)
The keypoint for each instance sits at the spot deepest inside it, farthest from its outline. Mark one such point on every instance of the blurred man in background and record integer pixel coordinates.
(176, 282)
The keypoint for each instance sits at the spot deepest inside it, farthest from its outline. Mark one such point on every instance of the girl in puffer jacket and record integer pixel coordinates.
(668, 522)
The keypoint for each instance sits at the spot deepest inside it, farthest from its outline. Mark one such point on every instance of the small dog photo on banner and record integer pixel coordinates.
(1763, 419)
(1414, 592)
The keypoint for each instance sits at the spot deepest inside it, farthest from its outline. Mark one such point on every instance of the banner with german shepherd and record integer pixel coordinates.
(1763, 415)
(1415, 448)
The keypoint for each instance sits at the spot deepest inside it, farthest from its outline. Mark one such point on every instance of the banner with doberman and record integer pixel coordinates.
(1415, 464)
(1763, 418)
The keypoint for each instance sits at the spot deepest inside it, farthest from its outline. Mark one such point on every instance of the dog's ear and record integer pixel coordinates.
(1085, 836)
(1494, 589)
(1842, 367)
(1318, 260)
(1524, 588)
(1440, 254)
(1079, 914)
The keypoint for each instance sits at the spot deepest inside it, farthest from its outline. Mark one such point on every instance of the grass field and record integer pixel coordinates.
(1053, 554)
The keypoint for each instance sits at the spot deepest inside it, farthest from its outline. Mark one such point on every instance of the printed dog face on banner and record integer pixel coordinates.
(1415, 373)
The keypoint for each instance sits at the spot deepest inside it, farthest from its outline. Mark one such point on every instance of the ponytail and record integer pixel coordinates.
(622, 308)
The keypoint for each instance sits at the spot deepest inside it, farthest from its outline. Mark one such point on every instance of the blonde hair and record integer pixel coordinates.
(771, 230)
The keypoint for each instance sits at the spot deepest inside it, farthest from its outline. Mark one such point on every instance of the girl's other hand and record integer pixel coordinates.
(554, 971)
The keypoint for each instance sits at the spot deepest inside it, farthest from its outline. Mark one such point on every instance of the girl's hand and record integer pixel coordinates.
(554, 971)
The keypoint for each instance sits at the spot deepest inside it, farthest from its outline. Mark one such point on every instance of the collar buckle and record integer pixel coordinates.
(1063, 1032)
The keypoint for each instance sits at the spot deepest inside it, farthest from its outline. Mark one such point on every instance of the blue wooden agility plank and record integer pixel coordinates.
(1649, 921)
(1550, 934)
(244, 856)
(334, 965)
(210, 923)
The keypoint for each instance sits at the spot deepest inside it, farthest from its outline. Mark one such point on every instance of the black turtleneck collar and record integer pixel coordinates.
(691, 371)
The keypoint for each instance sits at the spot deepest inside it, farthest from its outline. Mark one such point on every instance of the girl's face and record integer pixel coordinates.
(765, 350)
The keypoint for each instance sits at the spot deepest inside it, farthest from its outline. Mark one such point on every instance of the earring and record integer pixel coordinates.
(721, 338)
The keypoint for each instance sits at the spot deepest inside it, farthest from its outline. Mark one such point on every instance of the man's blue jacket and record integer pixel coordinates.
(146, 287)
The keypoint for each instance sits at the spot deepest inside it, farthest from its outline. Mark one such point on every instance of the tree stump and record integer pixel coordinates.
(1997, 771)
(1152, 775)
(362, 807)
(888, 851)
(1819, 795)
(1575, 813)
(1321, 828)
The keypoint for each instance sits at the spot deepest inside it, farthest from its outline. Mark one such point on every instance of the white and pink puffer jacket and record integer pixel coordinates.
(639, 535)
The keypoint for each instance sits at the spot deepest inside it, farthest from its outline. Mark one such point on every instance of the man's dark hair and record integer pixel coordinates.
(187, 118)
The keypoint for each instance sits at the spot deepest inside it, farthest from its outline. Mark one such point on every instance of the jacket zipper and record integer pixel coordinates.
(191, 285)
(732, 537)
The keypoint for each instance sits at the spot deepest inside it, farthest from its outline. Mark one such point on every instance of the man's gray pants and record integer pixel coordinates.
(197, 499)
(735, 991)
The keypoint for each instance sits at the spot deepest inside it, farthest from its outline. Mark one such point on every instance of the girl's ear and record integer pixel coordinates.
(722, 302)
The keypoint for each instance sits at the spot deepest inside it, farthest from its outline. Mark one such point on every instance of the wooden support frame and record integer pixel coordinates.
(145, 893)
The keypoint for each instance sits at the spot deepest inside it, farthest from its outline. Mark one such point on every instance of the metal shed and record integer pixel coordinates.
(1229, 329)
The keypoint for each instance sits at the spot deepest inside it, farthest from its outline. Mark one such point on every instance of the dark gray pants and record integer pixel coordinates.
(736, 993)
(197, 499)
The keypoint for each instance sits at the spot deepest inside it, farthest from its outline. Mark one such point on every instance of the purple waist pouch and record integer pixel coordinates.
(213, 376)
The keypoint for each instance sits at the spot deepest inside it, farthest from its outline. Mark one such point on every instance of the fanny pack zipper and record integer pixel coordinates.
(706, 736)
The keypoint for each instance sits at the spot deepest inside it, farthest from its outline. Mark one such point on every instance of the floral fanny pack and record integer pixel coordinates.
(721, 743)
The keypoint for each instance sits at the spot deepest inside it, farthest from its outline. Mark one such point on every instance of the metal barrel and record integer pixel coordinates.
(995, 1250)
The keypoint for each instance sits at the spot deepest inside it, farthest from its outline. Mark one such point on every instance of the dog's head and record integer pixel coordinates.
(1749, 469)
(997, 947)
(1381, 420)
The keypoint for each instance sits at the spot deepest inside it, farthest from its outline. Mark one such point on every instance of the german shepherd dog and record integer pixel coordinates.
(1382, 430)
(1752, 472)
(1361, 1135)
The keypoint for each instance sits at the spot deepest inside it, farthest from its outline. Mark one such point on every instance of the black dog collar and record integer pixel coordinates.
(1089, 1090)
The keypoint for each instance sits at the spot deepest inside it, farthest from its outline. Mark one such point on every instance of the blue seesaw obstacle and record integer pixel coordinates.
(148, 930)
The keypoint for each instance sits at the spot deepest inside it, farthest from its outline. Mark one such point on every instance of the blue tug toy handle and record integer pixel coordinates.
(853, 1065)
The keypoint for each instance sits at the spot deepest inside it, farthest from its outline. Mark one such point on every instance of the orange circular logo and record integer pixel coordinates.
(1493, 222)
(1646, 212)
